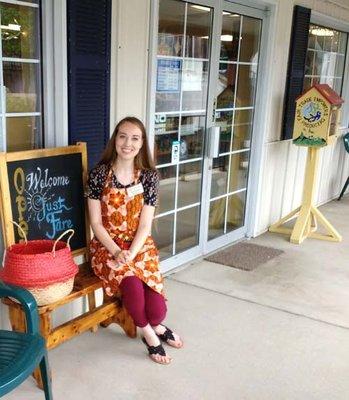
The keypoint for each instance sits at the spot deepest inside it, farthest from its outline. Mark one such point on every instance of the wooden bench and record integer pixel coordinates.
(85, 284)
(69, 164)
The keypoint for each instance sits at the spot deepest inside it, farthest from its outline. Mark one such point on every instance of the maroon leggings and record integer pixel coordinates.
(143, 304)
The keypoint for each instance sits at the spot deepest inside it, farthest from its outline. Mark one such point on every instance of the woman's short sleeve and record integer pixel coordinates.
(150, 182)
(96, 181)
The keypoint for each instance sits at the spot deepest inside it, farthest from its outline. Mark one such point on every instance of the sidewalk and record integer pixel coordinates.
(280, 332)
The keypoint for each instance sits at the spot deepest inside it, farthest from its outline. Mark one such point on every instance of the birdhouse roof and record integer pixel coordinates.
(330, 95)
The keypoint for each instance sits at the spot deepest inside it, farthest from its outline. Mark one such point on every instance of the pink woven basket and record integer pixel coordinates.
(39, 263)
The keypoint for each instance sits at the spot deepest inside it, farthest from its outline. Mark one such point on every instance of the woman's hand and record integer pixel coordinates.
(123, 256)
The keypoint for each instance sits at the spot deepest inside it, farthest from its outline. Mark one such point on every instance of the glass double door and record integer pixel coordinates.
(207, 61)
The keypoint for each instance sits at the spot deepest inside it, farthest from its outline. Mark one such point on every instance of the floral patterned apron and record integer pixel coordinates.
(120, 217)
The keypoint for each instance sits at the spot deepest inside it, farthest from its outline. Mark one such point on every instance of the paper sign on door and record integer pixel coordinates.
(175, 152)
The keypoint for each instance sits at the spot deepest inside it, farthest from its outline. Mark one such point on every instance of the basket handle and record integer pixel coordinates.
(22, 231)
(71, 232)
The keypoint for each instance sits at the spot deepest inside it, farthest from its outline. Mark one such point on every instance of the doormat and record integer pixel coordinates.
(245, 256)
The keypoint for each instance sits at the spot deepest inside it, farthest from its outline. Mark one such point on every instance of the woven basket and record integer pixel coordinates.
(52, 293)
(45, 267)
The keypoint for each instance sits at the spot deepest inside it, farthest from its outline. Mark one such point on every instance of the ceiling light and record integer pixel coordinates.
(11, 27)
(226, 38)
(321, 32)
(201, 8)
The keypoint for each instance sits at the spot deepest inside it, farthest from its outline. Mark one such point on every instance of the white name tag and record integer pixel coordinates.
(134, 190)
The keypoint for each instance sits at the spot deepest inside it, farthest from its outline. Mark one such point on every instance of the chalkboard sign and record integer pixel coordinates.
(43, 191)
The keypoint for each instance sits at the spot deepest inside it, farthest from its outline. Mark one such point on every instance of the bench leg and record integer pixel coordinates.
(122, 318)
(45, 330)
(17, 319)
(91, 306)
(110, 320)
(37, 377)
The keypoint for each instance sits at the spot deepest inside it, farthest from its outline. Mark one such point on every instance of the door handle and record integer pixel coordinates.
(213, 141)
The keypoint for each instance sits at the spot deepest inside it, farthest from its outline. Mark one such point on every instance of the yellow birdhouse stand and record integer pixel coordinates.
(316, 125)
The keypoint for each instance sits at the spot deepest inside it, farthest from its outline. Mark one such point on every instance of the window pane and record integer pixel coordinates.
(189, 184)
(250, 34)
(309, 62)
(20, 31)
(242, 129)
(171, 27)
(22, 81)
(23, 133)
(166, 189)
(194, 85)
(325, 64)
(168, 85)
(238, 171)
(334, 41)
(328, 41)
(226, 85)
(219, 176)
(236, 211)
(198, 31)
(192, 136)
(162, 233)
(224, 119)
(230, 36)
(166, 132)
(246, 85)
(339, 66)
(343, 40)
(307, 83)
(187, 229)
(338, 85)
(216, 218)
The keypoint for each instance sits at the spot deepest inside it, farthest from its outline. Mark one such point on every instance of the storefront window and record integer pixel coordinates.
(21, 76)
(325, 60)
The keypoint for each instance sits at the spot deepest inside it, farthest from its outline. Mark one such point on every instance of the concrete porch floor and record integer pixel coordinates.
(280, 332)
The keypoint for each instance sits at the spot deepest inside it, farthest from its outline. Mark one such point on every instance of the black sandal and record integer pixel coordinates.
(155, 350)
(168, 335)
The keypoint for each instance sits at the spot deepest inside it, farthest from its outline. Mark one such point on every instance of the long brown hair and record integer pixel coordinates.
(143, 159)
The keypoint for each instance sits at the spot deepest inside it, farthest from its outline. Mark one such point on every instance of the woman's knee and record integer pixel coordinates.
(133, 299)
(156, 310)
(132, 288)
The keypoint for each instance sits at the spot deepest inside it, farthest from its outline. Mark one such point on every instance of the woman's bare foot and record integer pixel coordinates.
(155, 349)
(168, 336)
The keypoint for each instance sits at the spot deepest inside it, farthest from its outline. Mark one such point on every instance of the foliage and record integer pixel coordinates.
(23, 43)
(309, 141)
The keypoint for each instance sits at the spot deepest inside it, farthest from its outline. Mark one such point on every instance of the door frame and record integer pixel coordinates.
(259, 123)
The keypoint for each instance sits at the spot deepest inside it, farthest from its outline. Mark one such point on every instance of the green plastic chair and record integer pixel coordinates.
(346, 145)
(21, 353)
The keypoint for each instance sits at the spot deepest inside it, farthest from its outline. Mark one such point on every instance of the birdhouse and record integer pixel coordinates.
(317, 116)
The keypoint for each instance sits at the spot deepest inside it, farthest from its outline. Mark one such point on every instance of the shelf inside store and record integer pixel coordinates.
(172, 132)
(162, 132)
